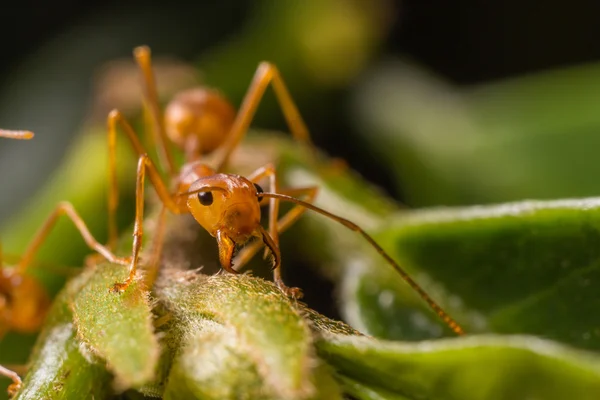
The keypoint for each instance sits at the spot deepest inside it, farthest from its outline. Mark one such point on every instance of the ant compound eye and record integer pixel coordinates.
(259, 190)
(205, 198)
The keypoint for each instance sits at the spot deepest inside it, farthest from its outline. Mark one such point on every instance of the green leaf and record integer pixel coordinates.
(200, 369)
(117, 327)
(239, 323)
(58, 369)
(363, 391)
(526, 267)
(467, 368)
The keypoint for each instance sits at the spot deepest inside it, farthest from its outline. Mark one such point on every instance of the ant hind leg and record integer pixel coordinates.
(142, 56)
(265, 73)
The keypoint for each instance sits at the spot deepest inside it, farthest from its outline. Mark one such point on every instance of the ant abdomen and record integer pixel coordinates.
(23, 302)
(198, 120)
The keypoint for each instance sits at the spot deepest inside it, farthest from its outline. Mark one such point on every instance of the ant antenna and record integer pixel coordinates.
(352, 226)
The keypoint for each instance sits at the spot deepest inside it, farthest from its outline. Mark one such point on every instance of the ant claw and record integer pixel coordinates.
(13, 388)
(293, 292)
(118, 288)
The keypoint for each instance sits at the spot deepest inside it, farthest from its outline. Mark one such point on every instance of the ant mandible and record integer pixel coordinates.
(200, 121)
(24, 302)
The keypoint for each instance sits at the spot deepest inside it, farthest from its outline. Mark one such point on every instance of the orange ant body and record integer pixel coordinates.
(200, 121)
(24, 302)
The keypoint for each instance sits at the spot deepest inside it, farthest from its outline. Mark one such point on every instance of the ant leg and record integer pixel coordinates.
(157, 246)
(17, 383)
(21, 135)
(287, 220)
(113, 185)
(65, 208)
(142, 56)
(144, 165)
(268, 171)
(265, 73)
(116, 118)
(274, 228)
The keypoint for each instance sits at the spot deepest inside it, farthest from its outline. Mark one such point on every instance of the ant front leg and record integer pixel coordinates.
(116, 118)
(145, 165)
(265, 73)
(16, 384)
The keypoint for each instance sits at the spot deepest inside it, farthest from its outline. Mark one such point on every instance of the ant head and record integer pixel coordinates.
(23, 302)
(226, 204)
(198, 120)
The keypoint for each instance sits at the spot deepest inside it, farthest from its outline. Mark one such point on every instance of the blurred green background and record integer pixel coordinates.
(438, 102)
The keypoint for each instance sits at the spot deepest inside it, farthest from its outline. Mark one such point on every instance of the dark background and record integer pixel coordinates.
(466, 42)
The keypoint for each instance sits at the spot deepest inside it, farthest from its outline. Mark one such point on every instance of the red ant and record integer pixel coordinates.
(200, 121)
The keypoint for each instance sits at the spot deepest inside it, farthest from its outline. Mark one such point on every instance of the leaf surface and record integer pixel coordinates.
(243, 324)
(467, 368)
(117, 327)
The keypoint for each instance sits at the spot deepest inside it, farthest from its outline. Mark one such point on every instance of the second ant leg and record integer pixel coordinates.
(65, 208)
(144, 164)
(116, 118)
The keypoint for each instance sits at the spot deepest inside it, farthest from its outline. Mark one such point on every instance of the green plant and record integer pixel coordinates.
(224, 336)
